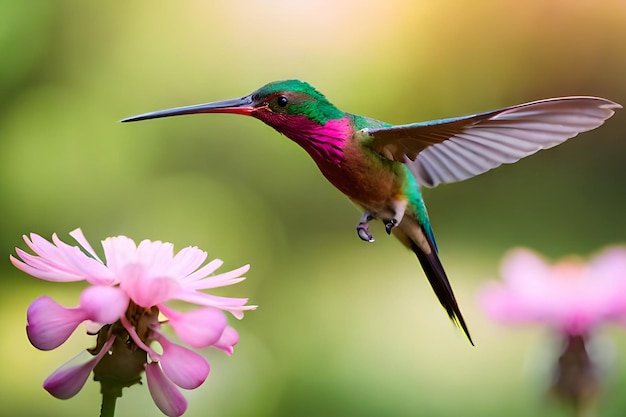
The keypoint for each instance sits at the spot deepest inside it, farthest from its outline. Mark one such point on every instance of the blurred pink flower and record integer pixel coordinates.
(126, 295)
(571, 295)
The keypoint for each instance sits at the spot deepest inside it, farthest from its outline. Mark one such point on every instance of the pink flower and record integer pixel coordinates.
(571, 295)
(126, 295)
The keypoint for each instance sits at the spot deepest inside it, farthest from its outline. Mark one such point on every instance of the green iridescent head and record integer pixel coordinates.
(294, 97)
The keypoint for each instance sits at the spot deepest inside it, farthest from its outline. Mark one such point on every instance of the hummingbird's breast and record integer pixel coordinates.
(368, 179)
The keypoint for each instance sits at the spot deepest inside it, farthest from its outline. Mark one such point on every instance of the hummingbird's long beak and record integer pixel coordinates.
(243, 105)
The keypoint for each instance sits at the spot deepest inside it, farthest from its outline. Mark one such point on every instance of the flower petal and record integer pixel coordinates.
(58, 261)
(119, 251)
(198, 328)
(164, 393)
(104, 304)
(235, 306)
(66, 381)
(220, 280)
(186, 261)
(205, 271)
(43, 269)
(156, 257)
(50, 324)
(47, 251)
(227, 340)
(78, 236)
(92, 269)
(145, 290)
(184, 367)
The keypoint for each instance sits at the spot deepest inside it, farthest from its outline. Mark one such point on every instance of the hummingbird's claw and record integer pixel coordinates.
(362, 228)
(390, 224)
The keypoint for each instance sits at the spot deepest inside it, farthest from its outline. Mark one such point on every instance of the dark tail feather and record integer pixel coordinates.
(439, 281)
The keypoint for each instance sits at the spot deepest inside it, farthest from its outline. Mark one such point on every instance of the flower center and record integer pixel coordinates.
(124, 363)
(142, 319)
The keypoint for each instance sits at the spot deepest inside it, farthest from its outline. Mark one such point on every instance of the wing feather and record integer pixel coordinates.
(459, 148)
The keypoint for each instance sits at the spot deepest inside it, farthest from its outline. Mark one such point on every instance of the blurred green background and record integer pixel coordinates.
(344, 328)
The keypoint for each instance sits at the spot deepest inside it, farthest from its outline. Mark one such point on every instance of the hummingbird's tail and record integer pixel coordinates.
(439, 281)
(413, 235)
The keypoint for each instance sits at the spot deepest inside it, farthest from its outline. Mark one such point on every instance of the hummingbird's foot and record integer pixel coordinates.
(397, 213)
(390, 224)
(362, 228)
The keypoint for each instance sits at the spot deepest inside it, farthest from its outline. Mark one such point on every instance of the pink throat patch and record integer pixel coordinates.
(323, 142)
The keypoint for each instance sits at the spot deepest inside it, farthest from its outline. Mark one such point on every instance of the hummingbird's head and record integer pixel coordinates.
(292, 107)
(292, 102)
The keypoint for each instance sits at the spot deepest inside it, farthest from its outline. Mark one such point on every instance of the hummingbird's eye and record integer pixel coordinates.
(282, 101)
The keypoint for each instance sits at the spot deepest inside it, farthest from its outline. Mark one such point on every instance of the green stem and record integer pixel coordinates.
(584, 410)
(108, 403)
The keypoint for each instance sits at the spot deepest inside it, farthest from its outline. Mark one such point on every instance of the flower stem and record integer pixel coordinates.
(108, 403)
(585, 409)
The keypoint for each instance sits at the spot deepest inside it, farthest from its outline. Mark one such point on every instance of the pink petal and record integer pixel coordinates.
(235, 306)
(91, 327)
(220, 280)
(93, 270)
(132, 332)
(119, 252)
(60, 262)
(525, 270)
(156, 257)
(164, 393)
(50, 324)
(78, 236)
(198, 328)
(66, 381)
(205, 271)
(44, 249)
(610, 267)
(185, 368)
(43, 269)
(186, 261)
(104, 304)
(504, 305)
(227, 340)
(145, 290)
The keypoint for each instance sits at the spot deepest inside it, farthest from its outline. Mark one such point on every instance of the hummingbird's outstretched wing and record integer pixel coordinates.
(455, 149)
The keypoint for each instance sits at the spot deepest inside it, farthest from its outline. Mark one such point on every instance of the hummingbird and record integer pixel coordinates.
(380, 166)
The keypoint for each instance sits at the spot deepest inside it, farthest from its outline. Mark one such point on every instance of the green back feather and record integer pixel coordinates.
(412, 190)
